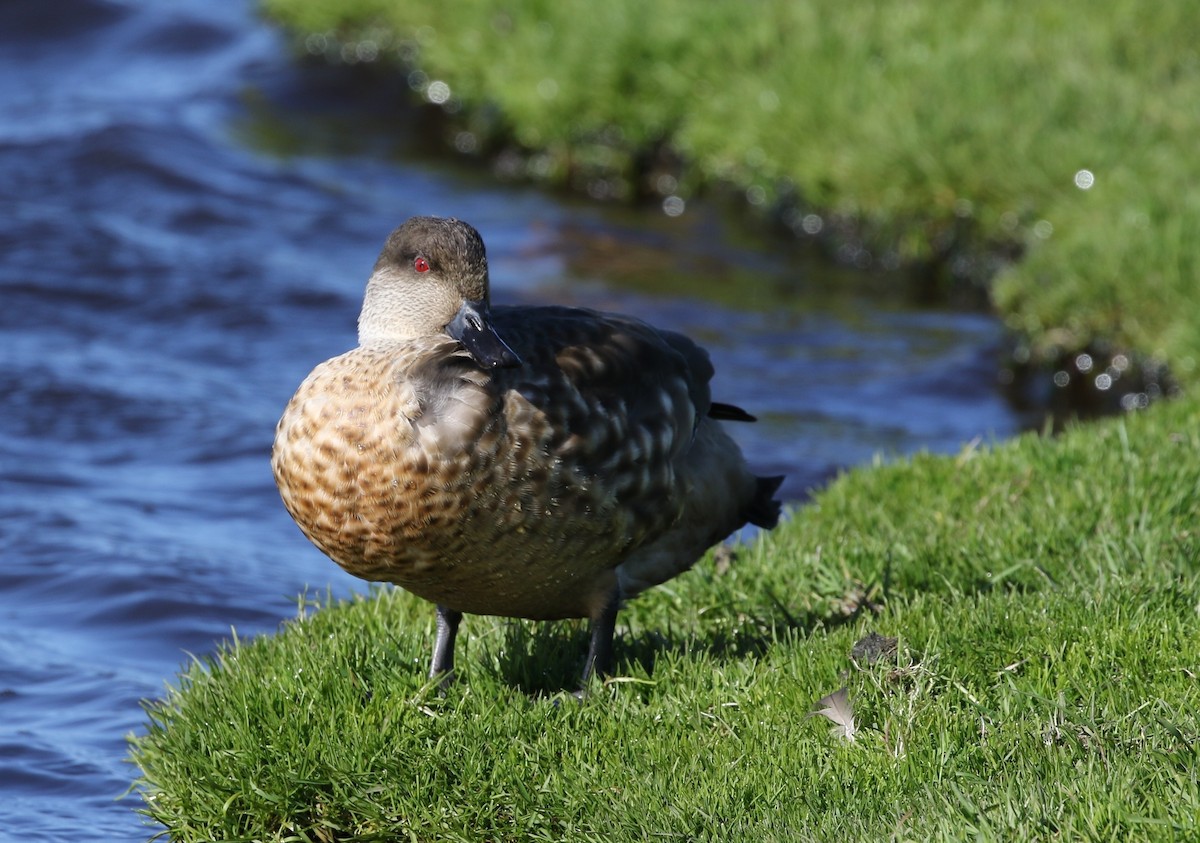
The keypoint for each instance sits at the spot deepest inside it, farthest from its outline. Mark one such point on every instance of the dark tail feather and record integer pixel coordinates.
(728, 412)
(764, 509)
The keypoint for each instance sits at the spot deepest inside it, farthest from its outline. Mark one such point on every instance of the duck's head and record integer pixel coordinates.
(432, 278)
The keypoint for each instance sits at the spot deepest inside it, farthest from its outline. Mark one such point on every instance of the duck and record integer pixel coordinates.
(538, 462)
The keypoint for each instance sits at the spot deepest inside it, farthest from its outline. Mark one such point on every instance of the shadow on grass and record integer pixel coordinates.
(544, 659)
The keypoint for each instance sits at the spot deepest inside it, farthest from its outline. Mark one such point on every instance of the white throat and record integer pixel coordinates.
(397, 307)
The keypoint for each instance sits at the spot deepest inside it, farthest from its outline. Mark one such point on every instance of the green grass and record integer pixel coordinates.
(1045, 592)
(942, 132)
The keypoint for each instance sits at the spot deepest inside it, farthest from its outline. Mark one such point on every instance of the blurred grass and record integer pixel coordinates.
(1045, 594)
(944, 132)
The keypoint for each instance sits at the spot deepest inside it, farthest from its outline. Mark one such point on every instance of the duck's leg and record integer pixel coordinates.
(443, 648)
(600, 649)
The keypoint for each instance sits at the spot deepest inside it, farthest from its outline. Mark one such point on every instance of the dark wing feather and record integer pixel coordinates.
(589, 368)
(729, 412)
(621, 399)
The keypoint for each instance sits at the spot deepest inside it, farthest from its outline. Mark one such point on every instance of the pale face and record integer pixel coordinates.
(427, 270)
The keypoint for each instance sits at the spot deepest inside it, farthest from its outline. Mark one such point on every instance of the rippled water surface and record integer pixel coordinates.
(187, 222)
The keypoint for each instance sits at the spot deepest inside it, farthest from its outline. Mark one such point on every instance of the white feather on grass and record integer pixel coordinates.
(837, 709)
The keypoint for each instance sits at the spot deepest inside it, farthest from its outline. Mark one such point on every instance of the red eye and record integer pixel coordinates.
(421, 265)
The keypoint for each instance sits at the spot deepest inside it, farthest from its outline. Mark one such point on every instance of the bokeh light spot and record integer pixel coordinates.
(673, 206)
(466, 142)
(437, 92)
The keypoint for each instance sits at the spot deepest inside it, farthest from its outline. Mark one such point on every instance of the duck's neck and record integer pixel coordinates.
(388, 315)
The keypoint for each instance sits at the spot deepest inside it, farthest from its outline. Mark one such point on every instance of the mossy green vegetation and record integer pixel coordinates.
(1045, 594)
(942, 131)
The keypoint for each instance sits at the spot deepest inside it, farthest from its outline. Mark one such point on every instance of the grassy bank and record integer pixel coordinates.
(1044, 594)
(939, 131)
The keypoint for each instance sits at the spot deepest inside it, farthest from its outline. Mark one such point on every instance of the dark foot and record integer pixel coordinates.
(443, 648)
(600, 650)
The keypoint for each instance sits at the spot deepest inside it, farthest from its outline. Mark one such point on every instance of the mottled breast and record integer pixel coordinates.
(511, 491)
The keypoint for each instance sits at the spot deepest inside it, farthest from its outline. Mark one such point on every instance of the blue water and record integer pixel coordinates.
(187, 218)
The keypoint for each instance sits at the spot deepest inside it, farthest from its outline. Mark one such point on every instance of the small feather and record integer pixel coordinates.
(837, 709)
(729, 412)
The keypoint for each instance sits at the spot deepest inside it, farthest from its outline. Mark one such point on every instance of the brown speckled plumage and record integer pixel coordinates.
(548, 484)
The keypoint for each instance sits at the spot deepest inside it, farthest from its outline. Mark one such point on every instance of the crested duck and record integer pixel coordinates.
(530, 462)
